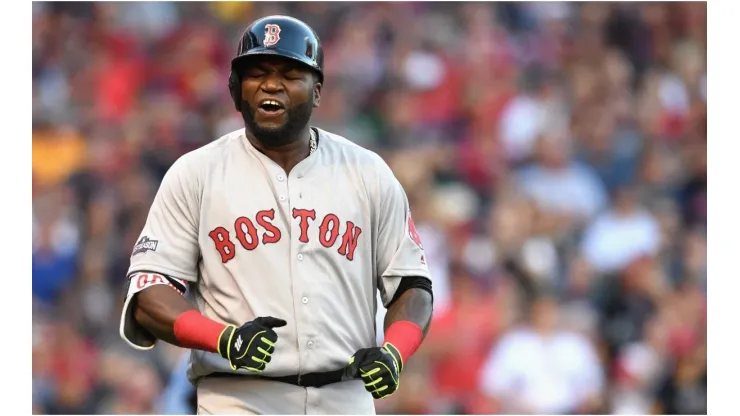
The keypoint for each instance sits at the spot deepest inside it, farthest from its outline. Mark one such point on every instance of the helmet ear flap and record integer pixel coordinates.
(235, 90)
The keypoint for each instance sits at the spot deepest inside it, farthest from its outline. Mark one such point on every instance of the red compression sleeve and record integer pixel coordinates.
(406, 336)
(195, 331)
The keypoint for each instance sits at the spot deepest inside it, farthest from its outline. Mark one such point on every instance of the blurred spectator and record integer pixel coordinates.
(540, 369)
(694, 193)
(622, 234)
(684, 391)
(568, 191)
(459, 339)
(639, 368)
(56, 239)
(628, 301)
(556, 144)
(528, 116)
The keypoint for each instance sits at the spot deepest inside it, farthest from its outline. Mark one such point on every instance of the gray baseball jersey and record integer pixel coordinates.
(313, 247)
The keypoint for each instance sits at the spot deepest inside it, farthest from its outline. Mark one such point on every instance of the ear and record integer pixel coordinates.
(316, 94)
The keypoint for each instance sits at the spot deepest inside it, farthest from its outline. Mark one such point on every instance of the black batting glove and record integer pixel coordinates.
(251, 345)
(379, 367)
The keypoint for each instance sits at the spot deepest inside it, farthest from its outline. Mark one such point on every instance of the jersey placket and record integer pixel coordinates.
(299, 199)
(282, 185)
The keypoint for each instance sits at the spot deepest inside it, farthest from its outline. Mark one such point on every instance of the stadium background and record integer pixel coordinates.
(554, 155)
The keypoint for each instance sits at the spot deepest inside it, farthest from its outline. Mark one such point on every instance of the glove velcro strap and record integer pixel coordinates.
(395, 353)
(224, 341)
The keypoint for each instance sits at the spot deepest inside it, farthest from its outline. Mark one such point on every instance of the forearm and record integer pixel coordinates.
(157, 308)
(167, 315)
(414, 305)
(407, 321)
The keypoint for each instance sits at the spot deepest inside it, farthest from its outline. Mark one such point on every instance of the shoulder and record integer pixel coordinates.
(370, 164)
(348, 150)
(197, 161)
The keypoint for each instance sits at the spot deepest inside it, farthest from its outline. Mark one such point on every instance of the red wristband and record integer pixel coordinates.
(194, 331)
(406, 336)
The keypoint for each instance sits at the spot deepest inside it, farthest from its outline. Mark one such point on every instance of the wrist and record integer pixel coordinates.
(405, 336)
(192, 330)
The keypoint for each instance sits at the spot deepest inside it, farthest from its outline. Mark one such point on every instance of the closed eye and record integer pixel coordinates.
(293, 74)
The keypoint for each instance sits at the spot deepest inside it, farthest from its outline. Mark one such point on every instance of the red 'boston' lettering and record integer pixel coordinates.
(247, 232)
(329, 230)
(304, 214)
(225, 247)
(241, 235)
(274, 232)
(349, 241)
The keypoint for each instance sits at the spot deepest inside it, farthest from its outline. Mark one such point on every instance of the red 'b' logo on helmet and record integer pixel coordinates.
(272, 35)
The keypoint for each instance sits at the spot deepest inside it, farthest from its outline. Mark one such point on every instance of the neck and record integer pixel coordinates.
(285, 155)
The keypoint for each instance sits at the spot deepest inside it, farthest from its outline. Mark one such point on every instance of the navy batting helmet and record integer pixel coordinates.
(277, 36)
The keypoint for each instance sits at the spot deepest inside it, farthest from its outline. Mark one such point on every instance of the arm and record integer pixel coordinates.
(162, 311)
(407, 321)
(405, 282)
(157, 308)
(163, 262)
(414, 305)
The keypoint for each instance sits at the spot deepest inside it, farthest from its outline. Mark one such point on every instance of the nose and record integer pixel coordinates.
(272, 84)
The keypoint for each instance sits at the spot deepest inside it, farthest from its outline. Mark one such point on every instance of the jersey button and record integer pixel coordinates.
(304, 300)
(300, 257)
(282, 198)
(310, 344)
(280, 177)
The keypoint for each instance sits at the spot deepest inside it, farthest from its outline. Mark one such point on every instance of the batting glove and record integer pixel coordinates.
(251, 345)
(379, 367)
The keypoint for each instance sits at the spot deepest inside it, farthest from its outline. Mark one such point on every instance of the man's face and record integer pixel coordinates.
(278, 97)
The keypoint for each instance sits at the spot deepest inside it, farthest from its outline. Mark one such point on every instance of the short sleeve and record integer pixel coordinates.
(168, 243)
(400, 252)
(167, 246)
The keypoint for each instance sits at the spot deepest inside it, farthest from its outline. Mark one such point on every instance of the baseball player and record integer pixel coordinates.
(264, 251)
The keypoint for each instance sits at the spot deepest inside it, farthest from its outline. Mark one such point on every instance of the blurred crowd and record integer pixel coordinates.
(554, 155)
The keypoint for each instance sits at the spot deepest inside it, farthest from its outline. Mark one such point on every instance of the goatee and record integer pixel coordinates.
(298, 117)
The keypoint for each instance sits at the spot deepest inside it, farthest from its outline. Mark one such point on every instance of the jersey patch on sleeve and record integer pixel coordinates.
(145, 244)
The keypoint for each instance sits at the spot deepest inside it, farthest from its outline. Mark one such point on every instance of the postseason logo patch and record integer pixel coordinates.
(145, 244)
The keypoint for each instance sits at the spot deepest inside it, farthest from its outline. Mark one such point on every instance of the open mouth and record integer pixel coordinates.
(271, 107)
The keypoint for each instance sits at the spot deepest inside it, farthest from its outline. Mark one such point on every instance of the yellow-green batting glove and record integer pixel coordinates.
(251, 345)
(379, 367)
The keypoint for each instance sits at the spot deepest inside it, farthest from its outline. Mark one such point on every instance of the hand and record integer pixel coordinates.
(379, 367)
(251, 345)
